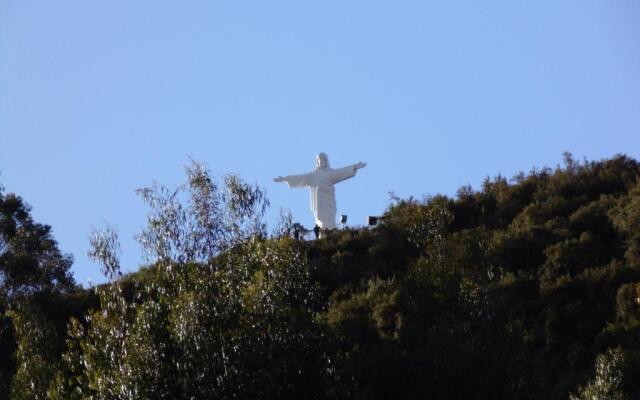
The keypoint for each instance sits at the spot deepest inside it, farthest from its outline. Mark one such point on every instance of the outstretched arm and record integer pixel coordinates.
(296, 180)
(359, 165)
(342, 174)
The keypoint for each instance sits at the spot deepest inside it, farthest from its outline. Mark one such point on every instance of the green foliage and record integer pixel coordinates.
(37, 353)
(613, 379)
(517, 282)
(223, 314)
(30, 265)
(628, 302)
(70, 381)
(368, 325)
(30, 261)
(517, 290)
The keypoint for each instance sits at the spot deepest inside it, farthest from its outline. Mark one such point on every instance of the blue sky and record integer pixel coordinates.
(98, 98)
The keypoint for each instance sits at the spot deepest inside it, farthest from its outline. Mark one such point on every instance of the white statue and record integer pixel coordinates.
(323, 194)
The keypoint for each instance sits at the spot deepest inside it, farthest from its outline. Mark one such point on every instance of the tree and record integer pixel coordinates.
(30, 260)
(508, 292)
(223, 313)
(609, 380)
(30, 263)
(37, 355)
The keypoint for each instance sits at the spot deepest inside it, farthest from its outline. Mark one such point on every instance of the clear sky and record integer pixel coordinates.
(98, 98)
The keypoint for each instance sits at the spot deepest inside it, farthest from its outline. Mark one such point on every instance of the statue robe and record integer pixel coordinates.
(323, 194)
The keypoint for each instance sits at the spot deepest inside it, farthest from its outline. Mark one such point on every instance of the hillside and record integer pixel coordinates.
(526, 288)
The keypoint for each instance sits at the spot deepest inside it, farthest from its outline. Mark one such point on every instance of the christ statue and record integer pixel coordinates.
(323, 194)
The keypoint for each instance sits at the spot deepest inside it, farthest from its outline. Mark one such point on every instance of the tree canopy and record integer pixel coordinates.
(30, 260)
(525, 288)
(30, 264)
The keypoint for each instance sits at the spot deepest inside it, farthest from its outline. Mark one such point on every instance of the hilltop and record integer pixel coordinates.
(525, 288)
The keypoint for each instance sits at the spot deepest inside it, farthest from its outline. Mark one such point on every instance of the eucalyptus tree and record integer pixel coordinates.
(221, 311)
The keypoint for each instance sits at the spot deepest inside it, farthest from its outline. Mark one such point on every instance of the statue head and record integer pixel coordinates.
(322, 161)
